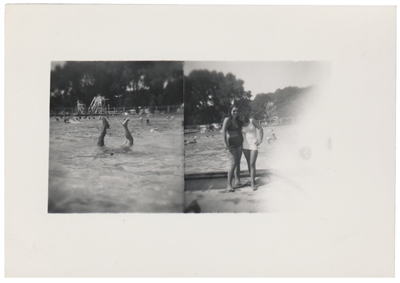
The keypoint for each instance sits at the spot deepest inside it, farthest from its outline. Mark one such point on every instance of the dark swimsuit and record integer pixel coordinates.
(235, 141)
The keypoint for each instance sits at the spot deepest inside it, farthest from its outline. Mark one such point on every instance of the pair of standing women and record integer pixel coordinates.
(240, 135)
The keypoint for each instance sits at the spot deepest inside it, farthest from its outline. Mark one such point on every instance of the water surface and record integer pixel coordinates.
(147, 177)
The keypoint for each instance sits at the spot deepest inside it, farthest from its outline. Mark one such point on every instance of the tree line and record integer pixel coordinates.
(123, 84)
(207, 95)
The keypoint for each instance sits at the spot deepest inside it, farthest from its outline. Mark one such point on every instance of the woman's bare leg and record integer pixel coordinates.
(103, 132)
(127, 133)
(237, 171)
(253, 159)
(232, 165)
(246, 153)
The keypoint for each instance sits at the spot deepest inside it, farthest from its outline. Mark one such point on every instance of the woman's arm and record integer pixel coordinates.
(223, 131)
(257, 125)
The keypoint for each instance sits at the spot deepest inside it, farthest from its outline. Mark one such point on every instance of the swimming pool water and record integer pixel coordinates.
(208, 153)
(147, 177)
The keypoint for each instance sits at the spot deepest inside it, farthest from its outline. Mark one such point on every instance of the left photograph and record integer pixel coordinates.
(116, 137)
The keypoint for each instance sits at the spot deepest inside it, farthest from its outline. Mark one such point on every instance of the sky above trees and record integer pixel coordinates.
(265, 77)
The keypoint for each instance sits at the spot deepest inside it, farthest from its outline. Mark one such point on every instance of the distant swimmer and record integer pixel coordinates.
(106, 125)
(74, 120)
(192, 141)
(273, 137)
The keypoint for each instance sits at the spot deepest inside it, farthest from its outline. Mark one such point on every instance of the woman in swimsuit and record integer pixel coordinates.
(250, 144)
(233, 139)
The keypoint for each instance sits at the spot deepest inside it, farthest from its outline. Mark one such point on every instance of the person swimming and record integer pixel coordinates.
(192, 141)
(74, 120)
(128, 136)
(106, 125)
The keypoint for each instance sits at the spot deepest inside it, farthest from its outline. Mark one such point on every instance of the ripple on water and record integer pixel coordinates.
(85, 178)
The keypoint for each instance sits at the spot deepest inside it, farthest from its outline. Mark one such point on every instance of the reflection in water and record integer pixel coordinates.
(84, 178)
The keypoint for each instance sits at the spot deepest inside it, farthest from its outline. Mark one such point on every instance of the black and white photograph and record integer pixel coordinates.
(201, 141)
(253, 134)
(116, 137)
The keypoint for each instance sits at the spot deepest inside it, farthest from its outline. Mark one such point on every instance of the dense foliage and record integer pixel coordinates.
(123, 84)
(208, 96)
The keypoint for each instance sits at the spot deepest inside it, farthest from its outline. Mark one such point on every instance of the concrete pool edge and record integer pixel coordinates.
(223, 174)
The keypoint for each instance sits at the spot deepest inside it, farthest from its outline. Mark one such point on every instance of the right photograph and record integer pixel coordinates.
(257, 135)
